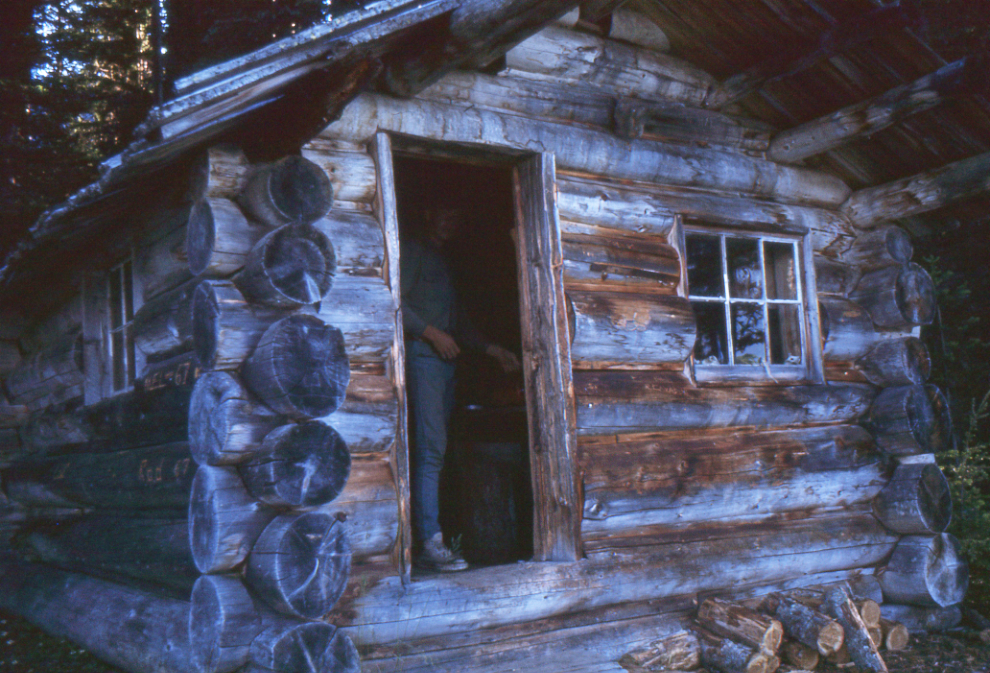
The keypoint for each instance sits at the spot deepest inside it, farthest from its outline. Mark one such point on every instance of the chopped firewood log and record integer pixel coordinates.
(876, 635)
(840, 657)
(862, 651)
(804, 624)
(742, 624)
(870, 612)
(799, 655)
(895, 635)
(727, 656)
(677, 651)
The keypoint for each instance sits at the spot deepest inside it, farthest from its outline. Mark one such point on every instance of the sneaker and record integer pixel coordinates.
(436, 556)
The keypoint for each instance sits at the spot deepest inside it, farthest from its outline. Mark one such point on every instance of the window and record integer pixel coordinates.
(120, 344)
(747, 294)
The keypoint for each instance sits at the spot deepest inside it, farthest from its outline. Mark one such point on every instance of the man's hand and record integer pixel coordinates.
(506, 358)
(442, 343)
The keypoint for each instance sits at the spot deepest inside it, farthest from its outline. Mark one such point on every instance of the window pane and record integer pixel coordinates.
(748, 334)
(131, 367)
(785, 334)
(704, 263)
(117, 357)
(745, 275)
(781, 280)
(116, 316)
(128, 291)
(711, 348)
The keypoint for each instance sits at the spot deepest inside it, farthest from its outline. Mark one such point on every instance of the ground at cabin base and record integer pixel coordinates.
(26, 649)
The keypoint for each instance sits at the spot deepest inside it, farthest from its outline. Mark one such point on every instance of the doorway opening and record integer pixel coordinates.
(486, 496)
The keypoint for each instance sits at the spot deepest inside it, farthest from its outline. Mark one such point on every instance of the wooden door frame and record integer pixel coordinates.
(550, 407)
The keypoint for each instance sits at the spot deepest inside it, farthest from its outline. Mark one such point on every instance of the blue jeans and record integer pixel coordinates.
(430, 384)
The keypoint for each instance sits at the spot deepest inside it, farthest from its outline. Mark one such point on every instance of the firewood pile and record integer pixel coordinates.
(788, 633)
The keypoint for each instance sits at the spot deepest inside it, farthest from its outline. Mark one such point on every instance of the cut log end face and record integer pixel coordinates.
(300, 263)
(299, 466)
(301, 648)
(200, 236)
(222, 623)
(916, 296)
(341, 656)
(940, 431)
(299, 190)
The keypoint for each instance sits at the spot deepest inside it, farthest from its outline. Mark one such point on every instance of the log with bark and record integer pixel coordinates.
(224, 520)
(226, 423)
(805, 624)
(743, 625)
(291, 266)
(226, 327)
(300, 564)
(862, 650)
(299, 367)
(916, 501)
(897, 296)
(223, 621)
(219, 237)
(157, 477)
(727, 656)
(917, 619)
(292, 189)
(927, 571)
(908, 420)
(153, 548)
(896, 362)
(630, 328)
(298, 465)
(680, 651)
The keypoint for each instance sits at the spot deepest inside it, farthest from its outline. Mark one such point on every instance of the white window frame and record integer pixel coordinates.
(810, 369)
(123, 313)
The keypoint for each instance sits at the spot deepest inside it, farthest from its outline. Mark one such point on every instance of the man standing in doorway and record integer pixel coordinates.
(436, 331)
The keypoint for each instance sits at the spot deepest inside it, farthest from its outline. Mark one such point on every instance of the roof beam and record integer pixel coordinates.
(798, 57)
(869, 116)
(919, 193)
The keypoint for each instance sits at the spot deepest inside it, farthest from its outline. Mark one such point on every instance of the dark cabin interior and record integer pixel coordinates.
(486, 505)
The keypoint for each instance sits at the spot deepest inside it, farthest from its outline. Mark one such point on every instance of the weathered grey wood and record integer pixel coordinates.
(636, 28)
(875, 114)
(307, 647)
(632, 401)
(791, 59)
(847, 329)
(163, 265)
(805, 625)
(833, 277)
(11, 448)
(649, 208)
(293, 189)
(43, 330)
(897, 296)
(630, 328)
(546, 363)
(153, 550)
(363, 309)
(298, 465)
(862, 650)
(299, 367)
(642, 260)
(880, 247)
(917, 619)
(163, 327)
(224, 520)
(300, 564)
(226, 423)
(680, 651)
(587, 150)
(896, 362)
(219, 237)
(743, 625)
(143, 478)
(926, 571)
(916, 501)
(223, 621)
(289, 267)
(127, 627)
(357, 241)
(226, 327)
(368, 419)
(919, 193)
(676, 478)
(219, 172)
(50, 376)
(590, 61)
(12, 324)
(674, 122)
(727, 656)
(910, 420)
(351, 171)
(10, 357)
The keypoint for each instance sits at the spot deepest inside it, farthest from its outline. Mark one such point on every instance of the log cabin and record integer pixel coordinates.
(693, 221)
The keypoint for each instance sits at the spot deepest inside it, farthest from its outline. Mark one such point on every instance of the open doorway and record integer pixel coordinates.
(486, 501)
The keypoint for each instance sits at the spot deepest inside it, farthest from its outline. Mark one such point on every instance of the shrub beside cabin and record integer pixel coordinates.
(205, 444)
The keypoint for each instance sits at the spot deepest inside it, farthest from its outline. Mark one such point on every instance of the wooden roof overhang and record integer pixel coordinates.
(849, 85)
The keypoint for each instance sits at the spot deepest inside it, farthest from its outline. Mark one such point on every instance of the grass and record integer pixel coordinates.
(24, 648)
